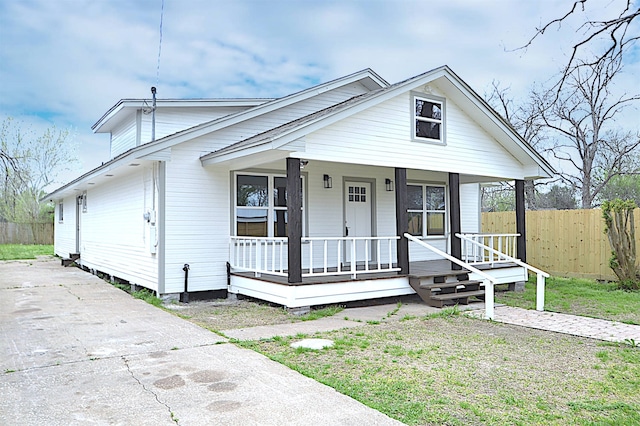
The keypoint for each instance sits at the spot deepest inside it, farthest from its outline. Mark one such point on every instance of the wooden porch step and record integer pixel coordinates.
(461, 295)
(446, 287)
(450, 284)
(67, 261)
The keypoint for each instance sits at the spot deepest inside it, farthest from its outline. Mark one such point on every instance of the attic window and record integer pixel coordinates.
(428, 119)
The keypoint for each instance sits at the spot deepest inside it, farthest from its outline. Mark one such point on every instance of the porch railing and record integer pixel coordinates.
(503, 257)
(320, 255)
(474, 251)
(487, 280)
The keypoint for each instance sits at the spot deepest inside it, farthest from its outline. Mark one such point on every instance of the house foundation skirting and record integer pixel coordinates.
(294, 296)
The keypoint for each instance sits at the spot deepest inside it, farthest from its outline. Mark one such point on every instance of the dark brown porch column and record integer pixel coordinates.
(294, 215)
(520, 221)
(454, 217)
(402, 224)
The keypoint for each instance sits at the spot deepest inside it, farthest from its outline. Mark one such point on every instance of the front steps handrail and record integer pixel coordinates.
(540, 275)
(487, 280)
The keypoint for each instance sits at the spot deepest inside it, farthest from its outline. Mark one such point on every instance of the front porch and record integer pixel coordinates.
(258, 269)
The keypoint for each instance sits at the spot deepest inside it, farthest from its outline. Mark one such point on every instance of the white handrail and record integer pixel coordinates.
(488, 280)
(540, 275)
(323, 255)
(506, 243)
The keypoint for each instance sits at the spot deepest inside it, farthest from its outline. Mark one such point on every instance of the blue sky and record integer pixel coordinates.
(66, 62)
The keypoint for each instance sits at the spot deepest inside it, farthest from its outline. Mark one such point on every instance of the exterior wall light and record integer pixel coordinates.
(328, 183)
(388, 183)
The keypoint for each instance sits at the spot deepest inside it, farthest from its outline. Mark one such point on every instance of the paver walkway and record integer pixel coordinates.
(575, 325)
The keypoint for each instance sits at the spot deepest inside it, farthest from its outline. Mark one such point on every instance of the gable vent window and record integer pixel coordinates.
(428, 119)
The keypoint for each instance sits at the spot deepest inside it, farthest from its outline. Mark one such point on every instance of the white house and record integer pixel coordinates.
(339, 192)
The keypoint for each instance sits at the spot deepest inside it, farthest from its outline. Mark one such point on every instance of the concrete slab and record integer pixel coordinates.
(306, 328)
(74, 350)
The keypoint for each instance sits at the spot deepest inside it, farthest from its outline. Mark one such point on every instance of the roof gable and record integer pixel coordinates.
(443, 78)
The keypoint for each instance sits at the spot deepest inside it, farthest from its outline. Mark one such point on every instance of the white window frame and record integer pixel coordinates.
(441, 121)
(61, 212)
(271, 209)
(426, 211)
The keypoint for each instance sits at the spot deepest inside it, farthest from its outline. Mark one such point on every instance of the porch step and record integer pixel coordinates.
(67, 261)
(446, 287)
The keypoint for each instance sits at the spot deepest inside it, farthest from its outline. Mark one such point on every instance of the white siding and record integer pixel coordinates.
(168, 122)
(173, 120)
(123, 137)
(65, 231)
(470, 208)
(115, 239)
(381, 135)
(198, 199)
(197, 221)
(267, 121)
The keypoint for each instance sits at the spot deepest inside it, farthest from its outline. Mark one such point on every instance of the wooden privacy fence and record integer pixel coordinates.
(26, 233)
(569, 243)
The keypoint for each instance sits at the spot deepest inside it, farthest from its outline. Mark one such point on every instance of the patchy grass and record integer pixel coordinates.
(579, 297)
(223, 314)
(147, 296)
(320, 313)
(456, 370)
(23, 251)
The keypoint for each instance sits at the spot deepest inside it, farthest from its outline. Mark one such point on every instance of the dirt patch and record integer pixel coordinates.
(224, 314)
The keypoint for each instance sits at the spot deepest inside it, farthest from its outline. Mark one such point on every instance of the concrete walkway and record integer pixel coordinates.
(75, 350)
(593, 328)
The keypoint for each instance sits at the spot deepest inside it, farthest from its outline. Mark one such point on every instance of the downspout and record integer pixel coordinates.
(184, 297)
(161, 221)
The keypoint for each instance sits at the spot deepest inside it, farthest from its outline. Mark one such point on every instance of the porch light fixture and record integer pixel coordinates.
(303, 163)
(388, 183)
(328, 183)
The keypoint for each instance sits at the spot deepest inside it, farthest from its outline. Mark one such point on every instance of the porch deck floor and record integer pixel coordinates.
(418, 268)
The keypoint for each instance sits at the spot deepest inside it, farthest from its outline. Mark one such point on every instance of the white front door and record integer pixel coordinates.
(357, 217)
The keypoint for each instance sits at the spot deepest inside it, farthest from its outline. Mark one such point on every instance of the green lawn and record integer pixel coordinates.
(579, 297)
(463, 371)
(21, 251)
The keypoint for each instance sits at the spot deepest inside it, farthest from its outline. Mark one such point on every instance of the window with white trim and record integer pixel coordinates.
(60, 212)
(428, 119)
(255, 209)
(426, 210)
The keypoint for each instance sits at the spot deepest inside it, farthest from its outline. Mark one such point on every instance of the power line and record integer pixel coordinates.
(159, 45)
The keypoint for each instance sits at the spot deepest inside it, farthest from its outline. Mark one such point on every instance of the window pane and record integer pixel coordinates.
(427, 129)
(252, 190)
(415, 224)
(435, 198)
(414, 197)
(428, 109)
(280, 192)
(435, 223)
(252, 222)
(280, 223)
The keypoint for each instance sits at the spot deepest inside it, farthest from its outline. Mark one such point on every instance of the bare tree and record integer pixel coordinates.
(524, 117)
(605, 40)
(29, 164)
(582, 116)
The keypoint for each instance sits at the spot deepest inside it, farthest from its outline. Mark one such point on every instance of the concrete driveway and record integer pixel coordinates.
(75, 350)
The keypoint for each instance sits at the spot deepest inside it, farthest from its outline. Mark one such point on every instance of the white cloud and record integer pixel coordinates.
(69, 61)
